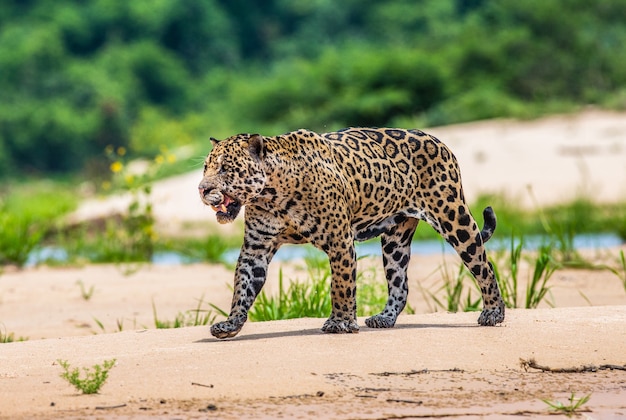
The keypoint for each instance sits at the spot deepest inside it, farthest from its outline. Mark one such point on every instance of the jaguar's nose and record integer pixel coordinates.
(203, 190)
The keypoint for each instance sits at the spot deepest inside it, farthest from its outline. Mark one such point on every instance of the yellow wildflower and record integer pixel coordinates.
(121, 151)
(116, 166)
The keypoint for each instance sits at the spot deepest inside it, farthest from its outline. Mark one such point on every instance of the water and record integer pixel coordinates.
(439, 246)
(53, 253)
(371, 248)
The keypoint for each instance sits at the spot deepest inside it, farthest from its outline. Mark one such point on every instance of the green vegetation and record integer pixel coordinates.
(457, 296)
(506, 268)
(190, 318)
(94, 377)
(19, 237)
(119, 323)
(297, 300)
(570, 408)
(27, 226)
(9, 337)
(537, 287)
(621, 271)
(210, 249)
(508, 277)
(311, 298)
(79, 77)
(462, 293)
(28, 212)
(560, 221)
(92, 88)
(86, 293)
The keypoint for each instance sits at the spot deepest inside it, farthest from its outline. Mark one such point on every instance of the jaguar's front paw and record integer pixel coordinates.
(492, 316)
(225, 329)
(380, 321)
(340, 326)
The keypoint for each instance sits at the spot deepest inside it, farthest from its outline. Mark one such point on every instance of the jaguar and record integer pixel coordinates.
(333, 189)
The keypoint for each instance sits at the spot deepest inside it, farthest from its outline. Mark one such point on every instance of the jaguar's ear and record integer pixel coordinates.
(214, 141)
(255, 146)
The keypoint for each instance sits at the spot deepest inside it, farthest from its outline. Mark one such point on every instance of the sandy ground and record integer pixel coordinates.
(433, 364)
(430, 365)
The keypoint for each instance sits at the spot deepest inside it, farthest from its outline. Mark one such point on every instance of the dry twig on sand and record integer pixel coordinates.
(532, 364)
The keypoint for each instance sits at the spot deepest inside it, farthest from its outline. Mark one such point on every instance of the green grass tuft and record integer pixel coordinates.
(190, 318)
(297, 300)
(9, 337)
(570, 408)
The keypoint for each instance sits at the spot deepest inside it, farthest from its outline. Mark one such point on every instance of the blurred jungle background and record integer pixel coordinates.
(87, 87)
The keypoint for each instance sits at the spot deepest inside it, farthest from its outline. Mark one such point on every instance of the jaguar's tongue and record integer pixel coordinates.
(223, 205)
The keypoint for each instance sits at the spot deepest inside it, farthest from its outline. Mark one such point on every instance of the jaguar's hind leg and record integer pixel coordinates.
(460, 230)
(396, 244)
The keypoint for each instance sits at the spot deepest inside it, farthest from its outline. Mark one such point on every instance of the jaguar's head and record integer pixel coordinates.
(233, 175)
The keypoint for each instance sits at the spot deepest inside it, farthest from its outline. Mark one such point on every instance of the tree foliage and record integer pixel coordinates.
(78, 76)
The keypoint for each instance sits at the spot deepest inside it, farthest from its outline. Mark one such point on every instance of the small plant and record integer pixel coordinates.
(537, 289)
(457, 297)
(86, 294)
(312, 297)
(453, 288)
(119, 324)
(190, 318)
(621, 271)
(570, 408)
(100, 324)
(298, 300)
(508, 281)
(371, 295)
(6, 337)
(94, 377)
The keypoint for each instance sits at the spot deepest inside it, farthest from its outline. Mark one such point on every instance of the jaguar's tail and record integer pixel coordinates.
(490, 224)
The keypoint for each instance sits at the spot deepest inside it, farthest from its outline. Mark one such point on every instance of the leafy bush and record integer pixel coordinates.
(94, 74)
(354, 85)
(94, 377)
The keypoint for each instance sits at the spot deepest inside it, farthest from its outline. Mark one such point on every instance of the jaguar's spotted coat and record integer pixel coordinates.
(336, 188)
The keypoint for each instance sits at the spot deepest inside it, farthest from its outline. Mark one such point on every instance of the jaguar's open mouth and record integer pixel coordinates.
(226, 207)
